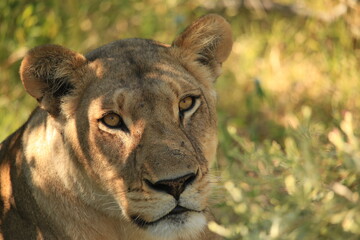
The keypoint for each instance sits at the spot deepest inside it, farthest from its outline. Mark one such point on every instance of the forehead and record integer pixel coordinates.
(135, 57)
(140, 66)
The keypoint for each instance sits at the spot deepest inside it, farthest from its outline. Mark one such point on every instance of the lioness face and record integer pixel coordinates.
(146, 135)
(138, 118)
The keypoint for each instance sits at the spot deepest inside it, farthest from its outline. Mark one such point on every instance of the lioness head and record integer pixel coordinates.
(133, 127)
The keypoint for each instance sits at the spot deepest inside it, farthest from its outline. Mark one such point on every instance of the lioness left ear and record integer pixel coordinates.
(48, 73)
(209, 39)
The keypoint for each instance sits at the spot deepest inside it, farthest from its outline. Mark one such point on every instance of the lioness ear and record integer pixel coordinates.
(210, 39)
(48, 73)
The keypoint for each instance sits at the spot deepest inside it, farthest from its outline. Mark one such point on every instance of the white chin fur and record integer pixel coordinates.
(185, 227)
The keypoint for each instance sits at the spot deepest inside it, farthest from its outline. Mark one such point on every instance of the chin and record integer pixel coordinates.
(188, 225)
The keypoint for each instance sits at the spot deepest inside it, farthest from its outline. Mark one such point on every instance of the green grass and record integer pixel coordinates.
(289, 154)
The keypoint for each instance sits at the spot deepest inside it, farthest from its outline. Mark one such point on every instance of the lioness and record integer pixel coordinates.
(120, 143)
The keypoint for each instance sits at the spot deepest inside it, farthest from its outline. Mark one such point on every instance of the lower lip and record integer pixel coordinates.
(143, 224)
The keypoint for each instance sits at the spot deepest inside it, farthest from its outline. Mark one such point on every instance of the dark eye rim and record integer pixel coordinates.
(121, 126)
(194, 99)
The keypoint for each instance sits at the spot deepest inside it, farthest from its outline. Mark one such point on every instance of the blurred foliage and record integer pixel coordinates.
(289, 154)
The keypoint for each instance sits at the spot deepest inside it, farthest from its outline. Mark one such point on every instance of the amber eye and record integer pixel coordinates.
(186, 103)
(112, 120)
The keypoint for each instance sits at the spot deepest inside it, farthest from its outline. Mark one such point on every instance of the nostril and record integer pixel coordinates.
(190, 179)
(158, 186)
(173, 187)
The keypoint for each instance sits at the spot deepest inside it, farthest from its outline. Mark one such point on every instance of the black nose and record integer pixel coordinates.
(173, 187)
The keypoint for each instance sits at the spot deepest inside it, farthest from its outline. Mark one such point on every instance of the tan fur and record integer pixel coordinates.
(66, 175)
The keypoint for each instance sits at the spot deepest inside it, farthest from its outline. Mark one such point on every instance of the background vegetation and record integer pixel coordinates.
(289, 154)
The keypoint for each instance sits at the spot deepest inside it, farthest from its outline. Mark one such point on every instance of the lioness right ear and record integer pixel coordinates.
(209, 40)
(48, 73)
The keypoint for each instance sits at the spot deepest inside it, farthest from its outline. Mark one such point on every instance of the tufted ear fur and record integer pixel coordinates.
(48, 73)
(210, 39)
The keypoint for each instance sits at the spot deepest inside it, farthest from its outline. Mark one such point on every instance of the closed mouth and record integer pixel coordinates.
(177, 210)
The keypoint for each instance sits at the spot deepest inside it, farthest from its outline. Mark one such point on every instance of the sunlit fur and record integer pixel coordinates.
(192, 228)
(67, 175)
